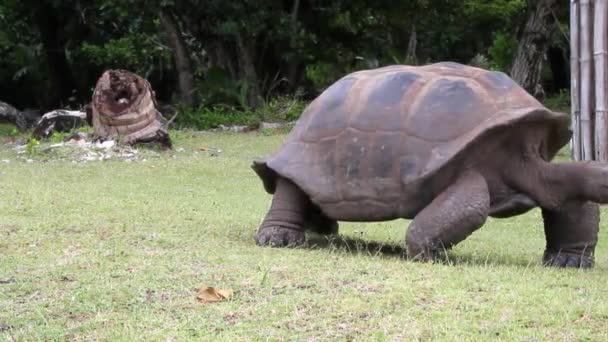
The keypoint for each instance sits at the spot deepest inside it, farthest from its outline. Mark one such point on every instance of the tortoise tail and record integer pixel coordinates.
(266, 174)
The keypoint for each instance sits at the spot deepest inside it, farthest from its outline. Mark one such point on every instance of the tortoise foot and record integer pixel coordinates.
(567, 259)
(276, 236)
(426, 255)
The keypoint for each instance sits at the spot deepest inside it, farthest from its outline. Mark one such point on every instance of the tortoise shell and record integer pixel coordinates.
(365, 148)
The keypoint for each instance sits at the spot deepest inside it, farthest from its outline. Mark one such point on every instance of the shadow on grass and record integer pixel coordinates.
(356, 246)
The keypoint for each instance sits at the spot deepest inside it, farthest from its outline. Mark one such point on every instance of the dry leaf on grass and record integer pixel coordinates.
(211, 294)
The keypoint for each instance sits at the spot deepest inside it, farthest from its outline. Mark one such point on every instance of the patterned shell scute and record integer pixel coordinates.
(375, 135)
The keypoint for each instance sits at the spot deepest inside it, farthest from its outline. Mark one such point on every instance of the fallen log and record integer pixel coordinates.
(23, 120)
(124, 109)
(59, 121)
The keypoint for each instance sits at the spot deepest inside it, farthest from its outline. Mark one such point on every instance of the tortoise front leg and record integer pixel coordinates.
(450, 218)
(284, 223)
(571, 234)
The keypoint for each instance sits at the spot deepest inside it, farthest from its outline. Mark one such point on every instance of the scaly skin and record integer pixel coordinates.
(283, 226)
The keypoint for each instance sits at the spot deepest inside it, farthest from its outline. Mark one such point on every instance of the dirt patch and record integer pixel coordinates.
(8, 228)
(79, 149)
(4, 281)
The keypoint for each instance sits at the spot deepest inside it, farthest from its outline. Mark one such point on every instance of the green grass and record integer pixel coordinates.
(116, 251)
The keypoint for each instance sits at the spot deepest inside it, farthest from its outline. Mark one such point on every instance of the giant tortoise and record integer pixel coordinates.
(446, 145)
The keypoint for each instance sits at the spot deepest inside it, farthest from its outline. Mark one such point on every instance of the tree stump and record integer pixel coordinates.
(124, 109)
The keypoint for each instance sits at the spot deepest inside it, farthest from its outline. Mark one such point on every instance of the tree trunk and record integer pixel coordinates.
(181, 58)
(410, 56)
(293, 63)
(533, 44)
(221, 57)
(247, 68)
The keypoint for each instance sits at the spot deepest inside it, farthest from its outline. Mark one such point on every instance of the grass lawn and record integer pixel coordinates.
(116, 251)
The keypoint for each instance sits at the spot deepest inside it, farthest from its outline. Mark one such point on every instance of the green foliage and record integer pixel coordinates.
(502, 51)
(58, 137)
(131, 53)
(480, 61)
(216, 87)
(559, 101)
(31, 146)
(502, 9)
(323, 74)
(22, 69)
(278, 109)
(243, 53)
(281, 109)
(213, 117)
(8, 129)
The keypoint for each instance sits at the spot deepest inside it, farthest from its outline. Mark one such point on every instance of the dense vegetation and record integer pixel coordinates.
(224, 60)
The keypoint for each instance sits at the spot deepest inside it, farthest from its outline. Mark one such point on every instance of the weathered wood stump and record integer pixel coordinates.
(59, 121)
(23, 120)
(124, 109)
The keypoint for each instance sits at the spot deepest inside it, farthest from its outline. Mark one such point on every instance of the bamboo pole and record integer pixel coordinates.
(600, 55)
(586, 97)
(575, 80)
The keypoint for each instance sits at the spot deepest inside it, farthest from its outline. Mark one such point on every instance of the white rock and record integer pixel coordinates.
(108, 144)
(271, 125)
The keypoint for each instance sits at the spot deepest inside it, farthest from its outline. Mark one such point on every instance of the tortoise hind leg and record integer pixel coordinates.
(284, 223)
(450, 218)
(319, 223)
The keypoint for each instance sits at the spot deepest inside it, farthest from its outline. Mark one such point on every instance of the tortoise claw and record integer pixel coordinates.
(279, 237)
(570, 260)
(425, 255)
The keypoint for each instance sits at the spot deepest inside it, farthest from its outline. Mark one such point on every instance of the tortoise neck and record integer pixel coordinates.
(554, 184)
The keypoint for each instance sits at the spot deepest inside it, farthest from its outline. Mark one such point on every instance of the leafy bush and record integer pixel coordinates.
(559, 101)
(216, 86)
(281, 109)
(502, 52)
(131, 52)
(323, 74)
(31, 146)
(480, 61)
(212, 117)
(58, 137)
(278, 109)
